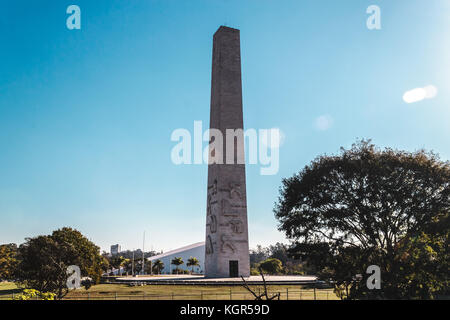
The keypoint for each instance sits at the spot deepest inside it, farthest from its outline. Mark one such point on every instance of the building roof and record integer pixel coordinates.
(172, 252)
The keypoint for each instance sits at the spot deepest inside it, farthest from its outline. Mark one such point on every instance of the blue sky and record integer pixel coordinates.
(86, 115)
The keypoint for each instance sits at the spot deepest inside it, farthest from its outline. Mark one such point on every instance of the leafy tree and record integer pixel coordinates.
(254, 272)
(128, 254)
(193, 262)
(106, 266)
(137, 265)
(271, 266)
(177, 261)
(128, 265)
(369, 200)
(423, 263)
(8, 261)
(259, 254)
(87, 255)
(117, 262)
(279, 251)
(157, 266)
(42, 266)
(44, 261)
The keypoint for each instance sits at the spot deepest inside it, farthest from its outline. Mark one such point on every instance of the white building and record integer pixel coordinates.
(196, 250)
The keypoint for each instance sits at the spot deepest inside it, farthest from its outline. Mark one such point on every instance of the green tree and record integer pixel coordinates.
(117, 262)
(106, 266)
(367, 199)
(137, 265)
(423, 263)
(43, 261)
(271, 266)
(8, 261)
(87, 256)
(128, 265)
(192, 262)
(177, 261)
(279, 251)
(259, 254)
(43, 265)
(157, 266)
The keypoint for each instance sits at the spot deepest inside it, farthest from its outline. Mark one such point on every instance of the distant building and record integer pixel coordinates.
(115, 249)
(196, 250)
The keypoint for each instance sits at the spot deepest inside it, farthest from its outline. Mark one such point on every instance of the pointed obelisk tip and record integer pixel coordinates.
(226, 29)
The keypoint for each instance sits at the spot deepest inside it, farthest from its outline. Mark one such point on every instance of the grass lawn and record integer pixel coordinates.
(194, 292)
(180, 292)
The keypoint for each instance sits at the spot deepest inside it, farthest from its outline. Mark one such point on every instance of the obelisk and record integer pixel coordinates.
(226, 251)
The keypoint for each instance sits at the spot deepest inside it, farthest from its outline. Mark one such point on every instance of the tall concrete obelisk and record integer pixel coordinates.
(226, 253)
